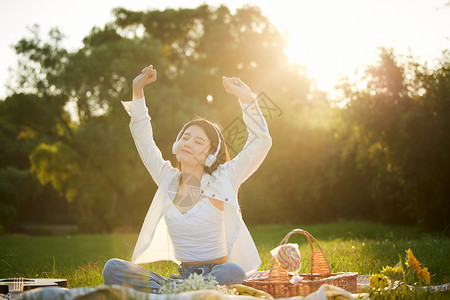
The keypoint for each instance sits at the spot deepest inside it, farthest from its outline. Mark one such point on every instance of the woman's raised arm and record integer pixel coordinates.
(147, 76)
(258, 142)
(141, 129)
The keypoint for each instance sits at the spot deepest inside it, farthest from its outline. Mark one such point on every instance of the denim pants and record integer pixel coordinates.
(122, 272)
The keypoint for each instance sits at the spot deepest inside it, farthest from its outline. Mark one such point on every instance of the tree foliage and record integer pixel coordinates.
(86, 152)
(402, 119)
(384, 156)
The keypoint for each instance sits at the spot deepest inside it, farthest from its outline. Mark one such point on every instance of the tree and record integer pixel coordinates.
(86, 153)
(19, 189)
(401, 120)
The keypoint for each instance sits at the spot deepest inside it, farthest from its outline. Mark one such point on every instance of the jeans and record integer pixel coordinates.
(122, 272)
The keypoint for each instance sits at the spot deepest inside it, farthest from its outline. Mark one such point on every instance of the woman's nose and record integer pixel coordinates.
(188, 144)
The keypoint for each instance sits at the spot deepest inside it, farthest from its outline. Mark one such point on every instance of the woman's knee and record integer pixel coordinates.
(110, 269)
(236, 273)
(229, 273)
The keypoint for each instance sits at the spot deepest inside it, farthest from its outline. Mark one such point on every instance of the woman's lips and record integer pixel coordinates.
(185, 151)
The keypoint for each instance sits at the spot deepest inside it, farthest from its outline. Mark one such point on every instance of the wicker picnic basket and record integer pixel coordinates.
(277, 282)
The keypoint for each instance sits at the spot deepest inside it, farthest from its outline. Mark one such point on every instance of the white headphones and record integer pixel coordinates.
(211, 159)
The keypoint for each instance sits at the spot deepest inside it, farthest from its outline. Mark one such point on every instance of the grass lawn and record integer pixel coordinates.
(361, 247)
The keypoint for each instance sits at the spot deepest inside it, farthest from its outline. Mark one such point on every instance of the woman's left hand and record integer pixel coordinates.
(237, 87)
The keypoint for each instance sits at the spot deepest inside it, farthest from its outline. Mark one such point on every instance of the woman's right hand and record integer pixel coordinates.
(147, 76)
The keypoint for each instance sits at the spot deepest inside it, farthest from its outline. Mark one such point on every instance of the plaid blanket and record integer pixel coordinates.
(123, 293)
(114, 292)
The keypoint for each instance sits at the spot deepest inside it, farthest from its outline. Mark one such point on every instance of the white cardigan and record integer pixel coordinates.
(154, 242)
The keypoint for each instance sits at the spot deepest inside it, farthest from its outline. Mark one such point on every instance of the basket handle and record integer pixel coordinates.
(319, 262)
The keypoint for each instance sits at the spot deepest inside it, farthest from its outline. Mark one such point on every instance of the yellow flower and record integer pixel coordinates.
(395, 273)
(413, 262)
(378, 281)
(425, 275)
(417, 266)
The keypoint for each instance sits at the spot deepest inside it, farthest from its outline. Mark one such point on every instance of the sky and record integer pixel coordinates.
(329, 37)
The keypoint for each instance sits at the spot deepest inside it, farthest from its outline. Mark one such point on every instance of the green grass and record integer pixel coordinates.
(361, 247)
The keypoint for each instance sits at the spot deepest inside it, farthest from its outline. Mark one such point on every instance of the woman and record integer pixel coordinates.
(194, 219)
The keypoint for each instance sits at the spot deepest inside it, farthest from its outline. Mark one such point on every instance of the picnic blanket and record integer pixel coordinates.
(118, 292)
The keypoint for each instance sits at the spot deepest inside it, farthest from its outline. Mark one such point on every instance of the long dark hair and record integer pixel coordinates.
(211, 133)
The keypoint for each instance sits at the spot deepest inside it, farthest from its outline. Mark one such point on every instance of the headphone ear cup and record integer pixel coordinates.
(174, 147)
(210, 160)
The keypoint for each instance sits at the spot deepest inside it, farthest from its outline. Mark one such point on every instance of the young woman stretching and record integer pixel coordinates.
(194, 219)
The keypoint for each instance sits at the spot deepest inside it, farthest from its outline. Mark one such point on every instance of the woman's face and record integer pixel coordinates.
(193, 146)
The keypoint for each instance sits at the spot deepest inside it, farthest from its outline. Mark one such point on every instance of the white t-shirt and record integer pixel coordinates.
(199, 234)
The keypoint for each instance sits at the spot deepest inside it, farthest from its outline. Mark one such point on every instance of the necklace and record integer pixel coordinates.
(189, 195)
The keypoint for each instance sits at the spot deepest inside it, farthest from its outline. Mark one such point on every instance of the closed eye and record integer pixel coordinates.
(199, 140)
